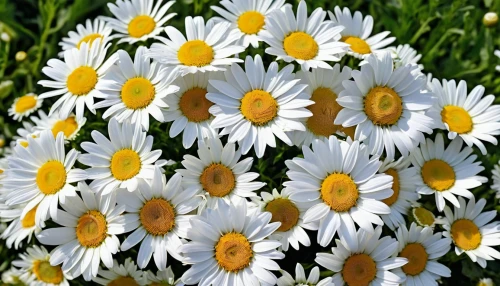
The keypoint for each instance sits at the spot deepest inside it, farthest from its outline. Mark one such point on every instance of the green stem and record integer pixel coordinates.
(43, 41)
(5, 60)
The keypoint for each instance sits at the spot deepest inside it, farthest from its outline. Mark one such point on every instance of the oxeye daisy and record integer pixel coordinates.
(125, 274)
(405, 55)
(446, 172)
(12, 276)
(253, 105)
(422, 248)
(357, 33)
(339, 180)
(469, 116)
(229, 246)
(301, 279)
(42, 175)
(93, 31)
(386, 105)
(247, 17)
(188, 108)
(75, 79)
(208, 46)
(157, 211)
(120, 161)
(218, 174)
(135, 90)
(138, 20)
(495, 175)
(24, 106)
(364, 259)
(19, 229)
(424, 217)
(70, 125)
(310, 41)
(37, 270)
(473, 232)
(162, 277)
(88, 233)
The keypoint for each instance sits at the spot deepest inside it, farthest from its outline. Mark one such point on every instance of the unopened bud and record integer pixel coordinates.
(21, 56)
(490, 19)
(5, 37)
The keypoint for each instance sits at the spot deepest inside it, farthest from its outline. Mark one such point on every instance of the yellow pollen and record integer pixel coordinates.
(417, 258)
(23, 143)
(218, 180)
(82, 80)
(195, 53)
(29, 219)
(259, 107)
(125, 164)
(300, 46)
(138, 93)
(465, 234)
(233, 252)
(358, 45)
(324, 110)
(251, 22)
(123, 281)
(89, 39)
(284, 211)
(438, 175)
(47, 273)
(359, 270)
(457, 118)
(194, 105)
(339, 192)
(68, 126)
(25, 103)
(383, 106)
(51, 177)
(91, 229)
(141, 25)
(395, 187)
(157, 216)
(423, 216)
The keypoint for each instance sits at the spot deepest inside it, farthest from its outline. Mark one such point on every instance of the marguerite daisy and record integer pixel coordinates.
(70, 125)
(24, 106)
(446, 172)
(405, 55)
(423, 216)
(163, 277)
(19, 229)
(96, 30)
(125, 274)
(301, 279)
(253, 105)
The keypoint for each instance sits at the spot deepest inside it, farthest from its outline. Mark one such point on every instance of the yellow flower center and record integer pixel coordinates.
(47, 273)
(218, 180)
(141, 25)
(339, 192)
(259, 107)
(251, 22)
(233, 252)
(383, 106)
(417, 258)
(324, 110)
(91, 229)
(25, 103)
(29, 219)
(438, 175)
(51, 177)
(82, 80)
(194, 105)
(123, 281)
(195, 53)
(457, 118)
(300, 46)
(284, 211)
(465, 234)
(395, 187)
(138, 93)
(89, 39)
(157, 216)
(125, 164)
(358, 45)
(423, 216)
(359, 270)
(68, 126)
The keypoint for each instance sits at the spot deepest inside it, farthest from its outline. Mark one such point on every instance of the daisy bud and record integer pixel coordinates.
(490, 19)
(5, 37)
(21, 56)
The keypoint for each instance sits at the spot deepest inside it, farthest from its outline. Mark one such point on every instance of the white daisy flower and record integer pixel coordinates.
(424, 217)
(301, 279)
(485, 282)
(339, 179)
(120, 161)
(386, 105)
(138, 20)
(247, 17)
(229, 246)
(473, 232)
(253, 105)
(121, 274)
(188, 108)
(88, 233)
(405, 55)
(446, 172)
(310, 41)
(162, 277)
(364, 259)
(88, 33)
(422, 248)
(468, 116)
(24, 106)
(37, 270)
(497, 53)
(218, 174)
(12, 276)
(70, 125)
(157, 211)
(207, 48)
(28, 130)
(42, 175)
(495, 175)
(134, 90)
(18, 229)
(75, 79)
(357, 33)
